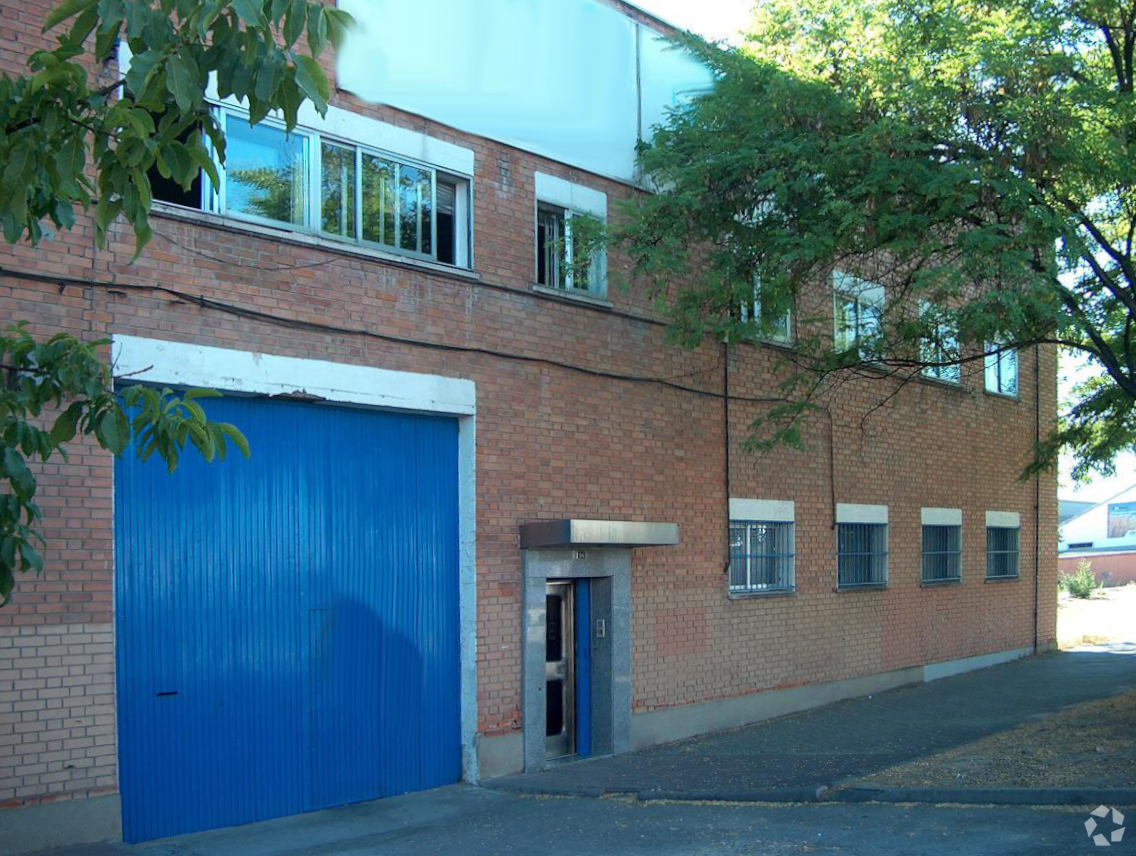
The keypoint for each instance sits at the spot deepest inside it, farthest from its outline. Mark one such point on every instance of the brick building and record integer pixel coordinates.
(423, 386)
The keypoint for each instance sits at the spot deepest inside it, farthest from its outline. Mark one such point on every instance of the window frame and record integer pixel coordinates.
(789, 570)
(863, 294)
(1016, 552)
(753, 307)
(997, 360)
(597, 271)
(936, 352)
(882, 557)
(954, 554)
(215, 199)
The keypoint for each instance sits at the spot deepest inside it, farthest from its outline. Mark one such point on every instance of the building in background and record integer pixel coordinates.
(1103, 534)
(491, 517)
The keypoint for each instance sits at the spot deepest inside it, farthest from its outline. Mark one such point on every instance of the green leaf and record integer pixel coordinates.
(182, 83)
(30, 558)
(250, 11)
(312, 80)
(63, 431)
(66, 9)
(294, 21)
(234, 434)
(317, 28)
(113, 431)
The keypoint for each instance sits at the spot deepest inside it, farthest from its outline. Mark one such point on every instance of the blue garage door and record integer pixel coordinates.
(287, 625)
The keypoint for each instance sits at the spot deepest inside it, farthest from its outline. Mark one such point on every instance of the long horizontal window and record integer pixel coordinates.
(762, 556)
(305, 181)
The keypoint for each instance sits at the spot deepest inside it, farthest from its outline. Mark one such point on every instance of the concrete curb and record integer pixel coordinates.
(987, 796)
(847, 794)
(757, 795)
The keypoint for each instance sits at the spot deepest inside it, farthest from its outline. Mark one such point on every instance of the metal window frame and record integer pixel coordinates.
(992, 555)
(956, 554)
(859, 303)
(788, 570)
(564, 281)
(215, 199)
(937, 352)
(218, 197)
(999, 361)
(753, 308)
(875, 556)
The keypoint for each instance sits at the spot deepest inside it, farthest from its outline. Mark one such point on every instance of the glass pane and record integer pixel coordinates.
(553, 631)
(426, 220)
(550, 247)
(414, 206)
(378, 200)
(738, 556)
(845, 322)
(338, 183)
(1009, 361)
(991, 369)
(265, 172)
(868, 328)
(447, 222)
(554, 712)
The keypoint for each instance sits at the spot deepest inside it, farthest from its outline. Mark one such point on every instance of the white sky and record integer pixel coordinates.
(712, 19)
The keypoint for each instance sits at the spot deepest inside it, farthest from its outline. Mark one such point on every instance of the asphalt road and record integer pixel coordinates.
(471, 822)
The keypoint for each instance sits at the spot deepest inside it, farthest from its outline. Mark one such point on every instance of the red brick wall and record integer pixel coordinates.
(1113, 569)
(552, 442)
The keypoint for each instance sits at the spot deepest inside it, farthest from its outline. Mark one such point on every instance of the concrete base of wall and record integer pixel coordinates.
(500, 755)
(691, 720)
(59, 824)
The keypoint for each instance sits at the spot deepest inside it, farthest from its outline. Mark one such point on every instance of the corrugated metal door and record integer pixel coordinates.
(288, 625)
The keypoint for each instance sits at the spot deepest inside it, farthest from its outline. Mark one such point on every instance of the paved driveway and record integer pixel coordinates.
(804, 751)
(790, 758)
(474, 822)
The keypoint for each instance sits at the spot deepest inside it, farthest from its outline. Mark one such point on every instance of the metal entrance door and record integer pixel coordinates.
(559, 670)
(287, 626)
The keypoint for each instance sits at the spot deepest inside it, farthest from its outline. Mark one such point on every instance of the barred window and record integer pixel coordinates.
(762, 556)
(861, 554)
(1002, 552)
(942, 553)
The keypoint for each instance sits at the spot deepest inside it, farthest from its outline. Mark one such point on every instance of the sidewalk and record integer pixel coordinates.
(799, 757)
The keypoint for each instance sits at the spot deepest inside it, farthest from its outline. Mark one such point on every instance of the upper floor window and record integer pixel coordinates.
(306, 181)
(858, 310)
(566, 258)
(560, 262)
(1001, 370)
(941, 349)
(772, 325)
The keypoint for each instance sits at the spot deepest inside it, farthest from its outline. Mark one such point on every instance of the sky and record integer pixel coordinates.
(712, 19)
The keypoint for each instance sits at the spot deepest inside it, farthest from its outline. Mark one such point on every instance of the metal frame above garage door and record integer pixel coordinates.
(179, 364)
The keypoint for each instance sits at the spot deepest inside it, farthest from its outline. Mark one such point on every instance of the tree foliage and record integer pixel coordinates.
(68, 142)
(976, 157)
(75, 136)
(65, 376)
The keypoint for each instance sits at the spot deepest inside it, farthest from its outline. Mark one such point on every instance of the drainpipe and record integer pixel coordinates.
(726, 424)
(1036, 490)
